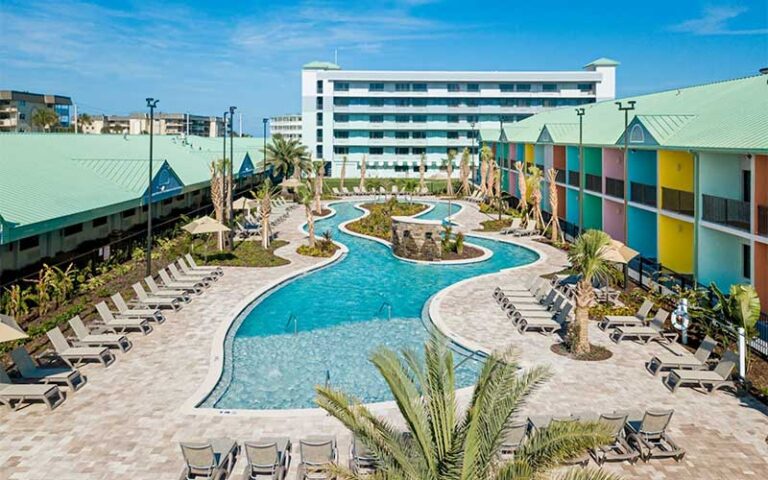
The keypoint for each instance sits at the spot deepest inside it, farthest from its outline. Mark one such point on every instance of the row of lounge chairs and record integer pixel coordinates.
(394, 190)
(42, 379)
(476, 197)
(535, 307)
(516, 230)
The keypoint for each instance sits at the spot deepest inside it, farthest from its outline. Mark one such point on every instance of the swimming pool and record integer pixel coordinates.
(322, 326)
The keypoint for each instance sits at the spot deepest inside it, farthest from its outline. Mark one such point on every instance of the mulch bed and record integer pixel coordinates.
(323, 213)
(469, 252)
(596, 353)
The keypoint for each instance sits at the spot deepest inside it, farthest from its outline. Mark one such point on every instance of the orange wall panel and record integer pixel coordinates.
(761, 273)
(761, 184)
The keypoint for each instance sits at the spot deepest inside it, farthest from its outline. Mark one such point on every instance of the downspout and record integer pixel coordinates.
(696, 216)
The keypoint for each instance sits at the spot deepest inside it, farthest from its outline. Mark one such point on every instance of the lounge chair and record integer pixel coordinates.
(122, 324)
(361, 459)
(182, 277)
(189, 286)
(655, 331)
(394, 190)
(14, 395)
(649, 436)
(190, 272)
(546, 326)
(619, 450)
(514, 226)
(346, 191)
(530, 286)
(708, 380)
(316, 454)
(336, 191)
(357, 191)
(514, 436)
(153, 302)
(158, 291)
(683, 361)
(543, 298)
(203, 268)
(527, 231)
(213, 460)
(87, 339)
(30, 371)
(538, 311)
(382, 191)
(73, 356)
(639, 319)
(267, 457)
(124, 311)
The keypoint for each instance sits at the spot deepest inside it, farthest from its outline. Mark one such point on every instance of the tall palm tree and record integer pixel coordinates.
(264, 195)
(288, 156)
(84, 120)
(588, 259)
(448, 163)
(44, 118)
(306, 197)
(442, 442)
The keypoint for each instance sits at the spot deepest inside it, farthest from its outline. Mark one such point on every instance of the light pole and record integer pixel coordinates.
(626, 109)
(264, 120)
(230, 212)
(474, 169)
(151, 103)
(580, 112)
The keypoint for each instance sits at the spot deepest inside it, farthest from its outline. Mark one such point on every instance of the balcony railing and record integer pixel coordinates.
(614, 187)
(573, 178)
(642, 193)
(762, 220)
(594, 183)
(726, 211)
(560, 177)
(677, 201)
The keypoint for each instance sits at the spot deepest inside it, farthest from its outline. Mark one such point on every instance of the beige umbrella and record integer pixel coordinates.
(623, 251)
(243, 203)
(362, 174)
(10, 330)
(205, 225)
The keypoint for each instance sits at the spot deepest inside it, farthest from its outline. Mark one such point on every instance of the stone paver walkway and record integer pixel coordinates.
(128, 420)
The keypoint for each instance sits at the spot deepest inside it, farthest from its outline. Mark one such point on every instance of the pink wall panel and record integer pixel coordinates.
(613, 219)
(613, 163)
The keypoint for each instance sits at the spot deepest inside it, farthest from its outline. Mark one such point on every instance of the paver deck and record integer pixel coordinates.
(128, 420)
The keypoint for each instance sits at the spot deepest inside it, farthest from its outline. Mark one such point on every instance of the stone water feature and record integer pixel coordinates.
(417, 239)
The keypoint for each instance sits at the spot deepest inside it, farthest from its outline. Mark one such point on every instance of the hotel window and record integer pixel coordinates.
(376, 150)
(339, 102)
(376, 87)
(319, 117)
(376, 118)
(341, 117)
(319, 103)
(128, 213)
(507, 87)
(319, 135)
(453, 87)
(98, 222)
(746, 261)
(401, 168)
(319, 151)
(524, 102)
(419, 134)
(72, 230)
(585, 87)
(401, 151)
(472, 102)
(402, 135)
(418, 150)
(402, 102)
(453, 135)
(419, 118)
(341, 150)
(375, 134)
(419, 102)
(453, 119)
(453, 102)
(402, 87)
(402, 118)
(319, 86)
(341, 133)
(508, 118)
(473, 118)
(549, 102)
(167, 201)
(341, 86)
(29, 243)
(473, 87)
(549, 87)
(419, 87)
(523, 87)
(376, 102)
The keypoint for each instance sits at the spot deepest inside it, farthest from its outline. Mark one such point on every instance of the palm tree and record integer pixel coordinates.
(740, 308)
(442, 442)
(588, 259)
(306, 197)
(448, 163)
(264, 194)
(84, 120)
(44, 118)
(288, 156)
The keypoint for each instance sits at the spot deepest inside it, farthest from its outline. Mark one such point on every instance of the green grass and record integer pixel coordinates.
(322, 249)
(495, 225)
(379, 222)
(245, 254)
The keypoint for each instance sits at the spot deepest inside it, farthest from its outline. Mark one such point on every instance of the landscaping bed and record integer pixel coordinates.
(379, 222)
(468, 253)
(495, 225)
(596, 353)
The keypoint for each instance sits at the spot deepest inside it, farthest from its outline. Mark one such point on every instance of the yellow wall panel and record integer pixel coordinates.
(676, 244)
(676, 170)
(529, 153)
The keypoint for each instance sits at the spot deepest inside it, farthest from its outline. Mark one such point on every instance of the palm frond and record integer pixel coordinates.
(587, 474)
(560, 441)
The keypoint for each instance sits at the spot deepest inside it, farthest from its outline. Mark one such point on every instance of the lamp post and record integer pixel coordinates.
(151, 103)
(626, 109)
(230, 212)
(264, 120)
(474, 168)
(580, 112)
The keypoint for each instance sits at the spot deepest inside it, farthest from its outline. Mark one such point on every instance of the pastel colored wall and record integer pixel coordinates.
(676, 170)
(513, 184)
(572, 206)
(538, 153)
(545, 196)
(676, 244)
(548, 156)
(520, 147)
(720, 258)
(593, 162)
(642, 166)
(561, 201)
(613, 163)
(513, 152)
(558, 157)
(613, 219)
(572, 158)
(720, 175)
(593, 212)
(642, 231)
(760, 273)
(760, 195)
(529, 153)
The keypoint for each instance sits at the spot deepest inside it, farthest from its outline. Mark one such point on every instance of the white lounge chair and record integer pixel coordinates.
(203, 268)
(317, 453)
(14, 395)
(190, 286)
(154, 289)
(656, 331)
(124, 311)
(683, 360)
(346, 191)
(513, 227)
(213, 460)
(76, 355)
(181, 277)
(86, 338)
(153, 302)
(639, 319)
(708, 380)
(30, 371)
(188, 271)
(122, 324)
(546, 326)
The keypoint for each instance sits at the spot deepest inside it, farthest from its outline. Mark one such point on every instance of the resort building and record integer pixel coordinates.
(289, 126)
(690, 193)
(16, 109)
(392, 118)
(165, 124)
(62, 193)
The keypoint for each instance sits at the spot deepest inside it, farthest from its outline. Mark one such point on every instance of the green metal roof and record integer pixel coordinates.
(603, 62)
(49, 181)
(730, 115)
(318, 65)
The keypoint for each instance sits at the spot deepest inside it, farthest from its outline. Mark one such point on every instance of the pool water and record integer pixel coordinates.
(322, 326)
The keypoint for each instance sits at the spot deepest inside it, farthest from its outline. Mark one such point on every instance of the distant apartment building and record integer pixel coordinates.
(165, 124)
(392, 118)
(16, 109)
(289, 126)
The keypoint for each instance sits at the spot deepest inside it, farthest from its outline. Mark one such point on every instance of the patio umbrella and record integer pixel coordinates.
(243, 203)
(205, 225)
(10, 330)
(619, 253)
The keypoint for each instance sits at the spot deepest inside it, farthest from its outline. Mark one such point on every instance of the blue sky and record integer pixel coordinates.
(201, 56)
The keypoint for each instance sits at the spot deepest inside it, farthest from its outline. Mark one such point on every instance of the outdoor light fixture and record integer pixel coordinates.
(580, 112)
(626, 109)
(151, 104)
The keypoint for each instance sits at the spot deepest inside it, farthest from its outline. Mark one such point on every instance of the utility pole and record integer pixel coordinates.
(151, 103)
(626, 109)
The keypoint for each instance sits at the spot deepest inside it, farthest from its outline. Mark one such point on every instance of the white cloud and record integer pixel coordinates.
(716, 21)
